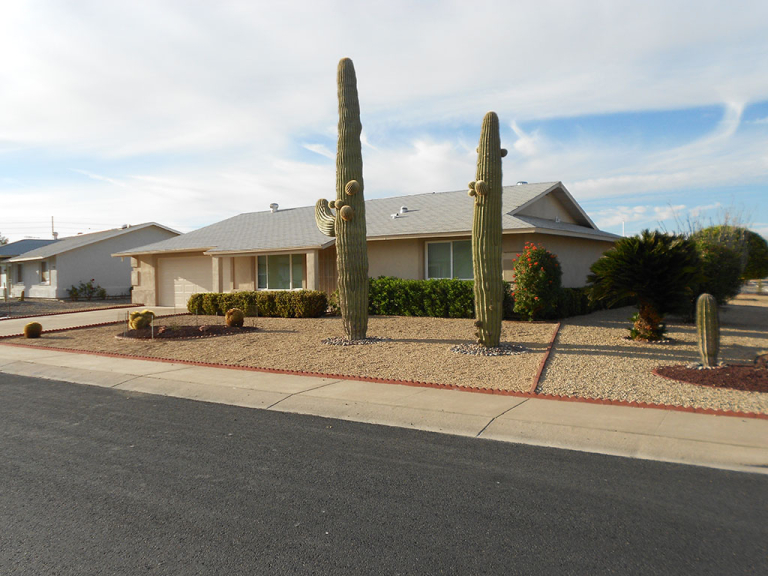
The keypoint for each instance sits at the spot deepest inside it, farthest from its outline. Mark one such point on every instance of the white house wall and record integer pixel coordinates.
(95, 262)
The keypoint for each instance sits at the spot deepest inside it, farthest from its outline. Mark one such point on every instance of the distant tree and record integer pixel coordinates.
(757, 260)
(657, 271)
(3, 240)
(721, 267)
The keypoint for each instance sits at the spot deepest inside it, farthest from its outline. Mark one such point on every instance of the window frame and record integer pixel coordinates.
(451, 243)
(18, 273)
(291, 256)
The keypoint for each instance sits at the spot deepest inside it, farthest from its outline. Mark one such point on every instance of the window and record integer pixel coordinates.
(45, 276)
(450, 260)
(281, 272)
(19, 274)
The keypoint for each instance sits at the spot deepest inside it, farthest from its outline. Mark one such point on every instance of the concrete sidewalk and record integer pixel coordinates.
(715, 441)
(75, 319)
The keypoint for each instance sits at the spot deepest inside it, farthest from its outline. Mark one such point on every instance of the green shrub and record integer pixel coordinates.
(537, 277)
(657, 272)
(757, 260)
(285, 304)
(721, 269)
(389, 296)
(87, 290)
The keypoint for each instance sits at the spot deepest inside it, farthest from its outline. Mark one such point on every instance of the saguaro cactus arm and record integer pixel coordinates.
(324, 218)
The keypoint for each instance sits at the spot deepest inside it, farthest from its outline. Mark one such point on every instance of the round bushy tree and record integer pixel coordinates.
(659, 272)
(537, 278)
(721, 270)
(757, 257)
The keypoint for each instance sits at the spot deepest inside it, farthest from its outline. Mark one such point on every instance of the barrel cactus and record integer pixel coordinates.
(348, 223)
(708, 329)
(139, 320)
(234, 318)
(33, 330)
(486, 234)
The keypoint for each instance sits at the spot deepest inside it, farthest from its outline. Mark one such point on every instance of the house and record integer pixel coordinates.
(416, 237)
(48, 271)
(12, 249)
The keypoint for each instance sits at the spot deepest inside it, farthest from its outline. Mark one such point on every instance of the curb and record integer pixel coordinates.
(116, 307)
(598, 401)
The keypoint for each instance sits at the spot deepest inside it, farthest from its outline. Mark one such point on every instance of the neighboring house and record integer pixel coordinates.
(12, 249)
(417, 237)
(48, 271)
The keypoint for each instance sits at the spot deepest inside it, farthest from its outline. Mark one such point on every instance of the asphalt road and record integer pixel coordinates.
(97, 481)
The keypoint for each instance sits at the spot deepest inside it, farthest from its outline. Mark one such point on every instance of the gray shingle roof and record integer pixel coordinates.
(73, 242)
(21, 247)
(440, 213)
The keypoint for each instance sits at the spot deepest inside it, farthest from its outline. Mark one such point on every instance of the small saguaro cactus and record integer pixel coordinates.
(486, 234)
(348, 224)
(33, 330)
(708, 329)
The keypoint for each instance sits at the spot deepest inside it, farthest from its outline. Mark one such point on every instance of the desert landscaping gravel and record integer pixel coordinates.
(417, 349)
(592, 359)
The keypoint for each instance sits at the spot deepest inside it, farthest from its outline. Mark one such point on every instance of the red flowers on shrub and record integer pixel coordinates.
(537, 285)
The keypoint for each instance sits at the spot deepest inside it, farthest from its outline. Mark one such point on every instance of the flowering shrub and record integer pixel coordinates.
(537, 278)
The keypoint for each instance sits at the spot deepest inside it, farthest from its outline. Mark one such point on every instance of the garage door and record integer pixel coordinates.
(179, 278)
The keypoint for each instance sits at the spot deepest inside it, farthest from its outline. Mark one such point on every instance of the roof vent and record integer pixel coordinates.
(395, 215)
(403, 209)
(124, 226)
(273, 207)
(521, 182)
(55, 235)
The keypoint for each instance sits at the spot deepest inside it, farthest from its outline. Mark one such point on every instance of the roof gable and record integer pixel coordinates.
(74, 242)
(538, 207)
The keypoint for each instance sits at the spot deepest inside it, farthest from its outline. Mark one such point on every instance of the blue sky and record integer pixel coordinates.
(186, 113)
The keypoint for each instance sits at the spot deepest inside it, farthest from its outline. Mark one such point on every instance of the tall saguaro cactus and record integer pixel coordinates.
(348, 223)
(708, 329)
(486, 234)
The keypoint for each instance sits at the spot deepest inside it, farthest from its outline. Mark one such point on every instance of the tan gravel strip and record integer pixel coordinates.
(418, 349)
(591, 359)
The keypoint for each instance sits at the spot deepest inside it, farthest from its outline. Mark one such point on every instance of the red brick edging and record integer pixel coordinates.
(535, 383)
(115, 307)
(599, 401)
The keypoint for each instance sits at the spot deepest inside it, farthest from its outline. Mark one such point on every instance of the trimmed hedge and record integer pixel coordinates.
(287, 304)
(388, 296)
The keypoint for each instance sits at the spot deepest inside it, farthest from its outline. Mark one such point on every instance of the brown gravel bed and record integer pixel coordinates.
(738, 377)
(418, 349)
(592, 359)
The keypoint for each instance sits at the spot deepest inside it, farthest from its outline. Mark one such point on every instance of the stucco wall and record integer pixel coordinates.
(143, 280)
(244, 273)
(575, 255)
(401, 258)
